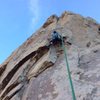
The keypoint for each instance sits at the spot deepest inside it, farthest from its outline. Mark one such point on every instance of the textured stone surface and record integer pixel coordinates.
(35, 71)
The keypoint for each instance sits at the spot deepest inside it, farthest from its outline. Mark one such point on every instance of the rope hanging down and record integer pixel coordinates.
(68, 70)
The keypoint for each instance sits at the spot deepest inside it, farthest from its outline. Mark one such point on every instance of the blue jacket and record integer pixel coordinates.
(55, 35)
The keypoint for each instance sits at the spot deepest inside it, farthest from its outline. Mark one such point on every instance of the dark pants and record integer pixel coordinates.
(56, 41)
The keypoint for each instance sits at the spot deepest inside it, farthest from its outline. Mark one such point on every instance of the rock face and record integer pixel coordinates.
(36, 71)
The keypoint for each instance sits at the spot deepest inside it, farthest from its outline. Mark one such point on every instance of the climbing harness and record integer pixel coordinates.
(68, 70)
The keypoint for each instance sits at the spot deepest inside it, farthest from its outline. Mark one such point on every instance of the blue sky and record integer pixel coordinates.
(20, 18)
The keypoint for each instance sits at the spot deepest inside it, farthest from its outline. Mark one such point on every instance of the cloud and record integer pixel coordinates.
(35, 11)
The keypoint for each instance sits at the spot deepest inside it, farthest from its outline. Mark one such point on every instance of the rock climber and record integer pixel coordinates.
(56, 37)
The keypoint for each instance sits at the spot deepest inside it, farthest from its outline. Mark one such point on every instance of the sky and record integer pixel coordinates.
(19, 19)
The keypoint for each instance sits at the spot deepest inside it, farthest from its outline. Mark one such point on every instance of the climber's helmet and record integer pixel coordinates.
(54, 32)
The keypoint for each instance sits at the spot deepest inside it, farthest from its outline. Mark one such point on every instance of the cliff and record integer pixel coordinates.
(36, 71)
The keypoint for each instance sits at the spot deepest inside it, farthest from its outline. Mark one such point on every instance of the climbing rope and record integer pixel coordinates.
(68, 70)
